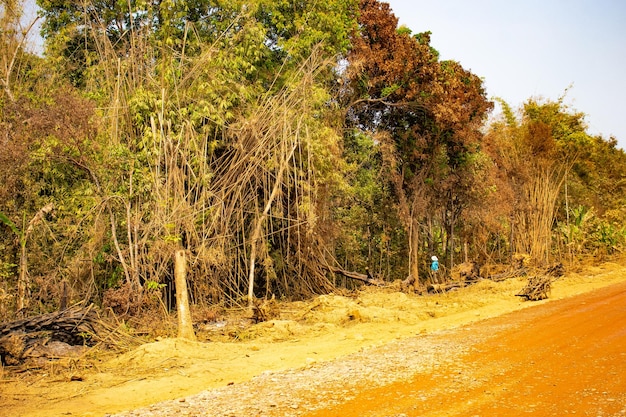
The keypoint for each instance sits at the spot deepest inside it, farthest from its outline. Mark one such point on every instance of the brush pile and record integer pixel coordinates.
(539, 286)
(64, 333)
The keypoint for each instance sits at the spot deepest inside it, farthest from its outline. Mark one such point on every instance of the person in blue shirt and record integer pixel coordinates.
(434, 269)
(434, 265)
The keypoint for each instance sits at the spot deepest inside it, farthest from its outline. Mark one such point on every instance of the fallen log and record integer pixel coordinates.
(366, 278)
(25, 338)
(445, 287)
(519, 272)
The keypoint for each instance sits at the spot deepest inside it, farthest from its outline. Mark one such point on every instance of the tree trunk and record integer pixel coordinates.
(511, 238)
(256, 234)
(450, 244)
(23, 283)
(414, 252)
(185, 325)
(465, 251)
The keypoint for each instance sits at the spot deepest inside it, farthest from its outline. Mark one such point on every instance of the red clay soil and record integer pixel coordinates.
(556, 359)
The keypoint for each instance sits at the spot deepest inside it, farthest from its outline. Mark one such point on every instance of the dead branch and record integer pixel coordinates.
(519, 272)
(357, 276)
(448, 286)
(556, 270)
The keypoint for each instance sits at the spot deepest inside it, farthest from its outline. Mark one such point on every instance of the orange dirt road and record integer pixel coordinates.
(560, 358)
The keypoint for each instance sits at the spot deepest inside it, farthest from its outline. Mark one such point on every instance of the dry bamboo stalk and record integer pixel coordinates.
(213, 203)
(259, 224)
(23, 282)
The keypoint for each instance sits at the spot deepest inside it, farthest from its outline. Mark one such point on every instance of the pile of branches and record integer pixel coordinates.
(515, 273)
(539, 286)
(48, 335)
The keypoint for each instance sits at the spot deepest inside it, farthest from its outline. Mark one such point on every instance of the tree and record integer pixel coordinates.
(15, 37)
(537, 154)
(23, 282)
(427, 114)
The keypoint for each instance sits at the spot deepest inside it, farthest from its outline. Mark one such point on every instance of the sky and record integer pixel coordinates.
(535, 49)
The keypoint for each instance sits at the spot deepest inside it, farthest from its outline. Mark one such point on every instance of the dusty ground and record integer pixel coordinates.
(380, 337)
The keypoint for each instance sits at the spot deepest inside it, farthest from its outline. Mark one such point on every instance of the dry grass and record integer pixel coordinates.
(369, 314)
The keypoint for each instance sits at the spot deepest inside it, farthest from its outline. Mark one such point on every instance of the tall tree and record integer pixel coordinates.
(537, 152)
(427, 114)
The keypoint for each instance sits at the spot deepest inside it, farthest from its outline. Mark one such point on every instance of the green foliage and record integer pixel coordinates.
(608, 237)
(154, 286)
(387, 91)
(579, 229)
(7, 270)
(4, 219)
(297, 26)
(404, 30)
(507, 111)
(369, 235)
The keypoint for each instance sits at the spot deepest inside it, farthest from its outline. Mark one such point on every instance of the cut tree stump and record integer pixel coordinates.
(185, 323)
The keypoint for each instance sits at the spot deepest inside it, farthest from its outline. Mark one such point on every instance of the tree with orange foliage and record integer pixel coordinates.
(426, 114)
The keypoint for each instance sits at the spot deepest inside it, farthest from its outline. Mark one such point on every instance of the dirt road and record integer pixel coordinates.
(553, 359)
(561, 358)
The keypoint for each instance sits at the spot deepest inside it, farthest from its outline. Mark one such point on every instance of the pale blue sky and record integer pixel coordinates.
(534, 48)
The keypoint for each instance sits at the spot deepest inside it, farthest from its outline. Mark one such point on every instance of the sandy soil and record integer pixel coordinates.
(308, 336)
